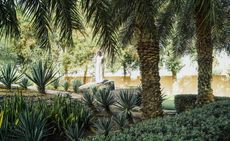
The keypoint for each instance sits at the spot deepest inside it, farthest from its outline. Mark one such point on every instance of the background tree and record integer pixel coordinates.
(146, 22)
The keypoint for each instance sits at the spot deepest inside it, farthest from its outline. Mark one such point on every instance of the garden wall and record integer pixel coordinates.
(184, 85)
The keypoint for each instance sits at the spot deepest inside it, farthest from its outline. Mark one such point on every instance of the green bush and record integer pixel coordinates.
(76, 84)
(210, 122)
(185, 102)
(42, 118)
(66, 85)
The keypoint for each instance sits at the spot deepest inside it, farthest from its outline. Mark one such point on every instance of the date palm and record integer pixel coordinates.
(42, 13)
(146, 22)
(206, 18)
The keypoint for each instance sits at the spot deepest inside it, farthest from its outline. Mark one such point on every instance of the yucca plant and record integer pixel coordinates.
(76, 84)
(74, 132)
(105, 99)
(31, 126)
(24, 83)
(126, 101)
(8, 75)
(66, 85)
(94, 90)
(89, 100)
(121, 120)
(104, 126)
(42, 75)
(56, 84)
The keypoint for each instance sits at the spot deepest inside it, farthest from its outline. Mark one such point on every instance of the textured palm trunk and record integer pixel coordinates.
(204, 51)
(148, 52)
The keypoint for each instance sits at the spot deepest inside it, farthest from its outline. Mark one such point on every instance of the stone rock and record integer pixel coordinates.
(105, 84)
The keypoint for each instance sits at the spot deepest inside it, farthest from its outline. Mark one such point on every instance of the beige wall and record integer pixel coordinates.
(186, 84)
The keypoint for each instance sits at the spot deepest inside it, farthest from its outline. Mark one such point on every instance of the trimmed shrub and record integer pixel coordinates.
(210, 122)
(186, 102)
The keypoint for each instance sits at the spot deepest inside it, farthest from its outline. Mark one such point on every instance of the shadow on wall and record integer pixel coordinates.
(186, 84)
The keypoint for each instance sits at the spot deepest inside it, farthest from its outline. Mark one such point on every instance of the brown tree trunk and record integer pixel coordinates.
(204, 48)
(149, 53)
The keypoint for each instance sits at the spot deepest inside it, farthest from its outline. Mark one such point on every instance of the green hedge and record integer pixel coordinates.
(184, 102)
(211, 122)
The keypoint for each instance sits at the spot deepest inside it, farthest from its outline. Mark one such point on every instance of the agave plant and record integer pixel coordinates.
(74, 132)
(89, 100)
(104, 126)
(42, 75)
(55, 84)
(120, 120)
(126, 101)
(8, 75)
(76, 85)
(94, 90)
(31, 126)
(66, 85)
(24, 83)
(105, 99)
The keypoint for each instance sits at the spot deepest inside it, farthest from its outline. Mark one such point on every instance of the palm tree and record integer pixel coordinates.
(207, 18)
(42, 13)
(144, 21)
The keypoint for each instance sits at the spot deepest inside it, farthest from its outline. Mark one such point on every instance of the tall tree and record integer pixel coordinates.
(207, 17)
(146, 22)
(42, 13)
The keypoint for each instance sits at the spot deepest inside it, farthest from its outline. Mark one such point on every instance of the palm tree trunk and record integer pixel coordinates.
(204, 51)
(148, 52)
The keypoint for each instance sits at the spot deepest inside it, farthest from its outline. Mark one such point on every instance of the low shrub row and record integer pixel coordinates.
(210, 122)
(184, 102)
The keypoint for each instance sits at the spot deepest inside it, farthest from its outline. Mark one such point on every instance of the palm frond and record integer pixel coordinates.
(9, 25)
(103, 24)
(40, 18)
(66, 18)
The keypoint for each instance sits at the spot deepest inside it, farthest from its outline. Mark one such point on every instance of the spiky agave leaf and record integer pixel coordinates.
(31, 126)
(105, 99)
(66, 85)
(88, 99)
(120, 120)
(42, 75)
(126, 101)
(24, 83)
(8, 75)
(104, 126)
(76, 84)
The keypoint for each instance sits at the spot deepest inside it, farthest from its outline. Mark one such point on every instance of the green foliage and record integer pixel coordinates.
(210, 122)
(104, 126)
(76, 84)
(31, 126)
(56, 84)
(24, 83)
(121, 120)
(42, 75)
(126, 101)
(88, 100)
(74, 132)
(185, 102)
(8, 75)
(36, 118)
(105, 99)
(66, 85)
